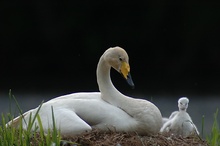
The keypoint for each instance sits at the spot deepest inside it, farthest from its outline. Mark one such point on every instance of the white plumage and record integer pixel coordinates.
(108, 109)
(179, 122)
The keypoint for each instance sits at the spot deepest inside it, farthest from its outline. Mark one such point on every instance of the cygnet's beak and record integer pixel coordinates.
(182, 108)
(125, 71)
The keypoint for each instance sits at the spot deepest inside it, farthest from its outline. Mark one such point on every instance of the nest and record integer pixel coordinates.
(97, 138)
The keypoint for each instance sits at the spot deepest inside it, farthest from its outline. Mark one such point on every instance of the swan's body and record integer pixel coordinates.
(179, 122)
(108, 109)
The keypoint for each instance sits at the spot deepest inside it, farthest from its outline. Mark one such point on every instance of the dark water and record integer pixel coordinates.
(198, 108)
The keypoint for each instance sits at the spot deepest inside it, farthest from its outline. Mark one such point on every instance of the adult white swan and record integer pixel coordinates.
(108, 109)
(179, 122)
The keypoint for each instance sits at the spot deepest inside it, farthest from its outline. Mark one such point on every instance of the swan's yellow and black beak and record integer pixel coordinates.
(125, 71)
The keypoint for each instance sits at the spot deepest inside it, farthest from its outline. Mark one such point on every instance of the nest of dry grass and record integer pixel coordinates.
(97, 138)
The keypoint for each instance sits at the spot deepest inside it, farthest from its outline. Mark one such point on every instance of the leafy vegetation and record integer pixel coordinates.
(11, 135)
(214, 138)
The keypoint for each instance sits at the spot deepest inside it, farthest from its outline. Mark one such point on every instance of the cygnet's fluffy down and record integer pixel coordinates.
(180, 123)
(165, 119)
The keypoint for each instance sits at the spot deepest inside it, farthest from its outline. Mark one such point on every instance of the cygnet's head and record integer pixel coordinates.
(118, 59)
(183, 103)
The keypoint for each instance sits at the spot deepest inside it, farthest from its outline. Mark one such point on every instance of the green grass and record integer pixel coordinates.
(12, 136)
(214, 138)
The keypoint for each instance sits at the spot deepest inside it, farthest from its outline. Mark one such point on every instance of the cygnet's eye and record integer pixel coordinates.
(120, 58)
(181, 103)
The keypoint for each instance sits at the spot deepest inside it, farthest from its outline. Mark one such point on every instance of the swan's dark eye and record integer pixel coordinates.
(120, 58)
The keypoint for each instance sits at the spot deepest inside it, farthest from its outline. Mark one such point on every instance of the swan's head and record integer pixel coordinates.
(118, 59)
(183, 103)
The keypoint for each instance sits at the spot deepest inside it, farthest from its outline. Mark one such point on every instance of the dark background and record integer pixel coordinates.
(54, 47)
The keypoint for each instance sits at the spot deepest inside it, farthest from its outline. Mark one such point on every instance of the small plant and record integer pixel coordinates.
(214, 138)
(203, 124)
(11, 135)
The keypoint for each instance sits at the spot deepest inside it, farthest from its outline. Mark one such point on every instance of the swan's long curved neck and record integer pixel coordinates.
(111, 94)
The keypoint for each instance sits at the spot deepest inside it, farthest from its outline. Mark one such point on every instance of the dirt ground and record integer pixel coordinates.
(96, 138)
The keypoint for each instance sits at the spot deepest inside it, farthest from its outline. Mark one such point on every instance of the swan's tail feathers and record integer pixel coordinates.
(16, 121)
